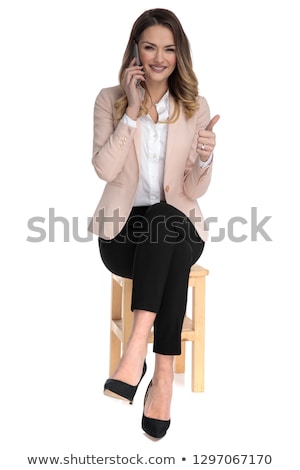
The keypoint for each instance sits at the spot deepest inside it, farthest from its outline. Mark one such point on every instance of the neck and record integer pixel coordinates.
(154, 95)
(157, 91)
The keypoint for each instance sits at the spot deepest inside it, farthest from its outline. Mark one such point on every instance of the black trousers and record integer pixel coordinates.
(156, 248)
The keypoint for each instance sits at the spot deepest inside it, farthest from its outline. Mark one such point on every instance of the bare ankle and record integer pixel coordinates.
(163, 377)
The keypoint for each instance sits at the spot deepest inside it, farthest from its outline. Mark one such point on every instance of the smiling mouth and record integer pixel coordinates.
(156, 68)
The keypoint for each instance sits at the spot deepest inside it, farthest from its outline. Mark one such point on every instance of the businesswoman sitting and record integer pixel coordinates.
(153, 144)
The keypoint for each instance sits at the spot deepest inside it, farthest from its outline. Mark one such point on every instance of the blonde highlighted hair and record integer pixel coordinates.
(183, 83)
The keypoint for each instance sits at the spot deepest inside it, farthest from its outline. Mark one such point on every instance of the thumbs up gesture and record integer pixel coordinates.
(207, 139)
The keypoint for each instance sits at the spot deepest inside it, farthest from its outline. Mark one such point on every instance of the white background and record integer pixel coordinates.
(55, 58)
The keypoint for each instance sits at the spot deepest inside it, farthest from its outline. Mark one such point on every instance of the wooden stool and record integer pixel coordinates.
(193, 325)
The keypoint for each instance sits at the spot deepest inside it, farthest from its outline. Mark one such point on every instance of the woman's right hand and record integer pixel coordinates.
(132, 75)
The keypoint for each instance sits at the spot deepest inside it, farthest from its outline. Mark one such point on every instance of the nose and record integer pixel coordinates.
(159, 56)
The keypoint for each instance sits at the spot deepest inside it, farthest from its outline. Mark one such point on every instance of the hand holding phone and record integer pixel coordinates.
(131, 83)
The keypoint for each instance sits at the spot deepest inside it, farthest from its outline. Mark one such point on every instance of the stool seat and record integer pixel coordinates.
(193, 325)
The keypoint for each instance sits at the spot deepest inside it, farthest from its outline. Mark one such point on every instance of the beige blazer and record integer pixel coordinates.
(116, 159)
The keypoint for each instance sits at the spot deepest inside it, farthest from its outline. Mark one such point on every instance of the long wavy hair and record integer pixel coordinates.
(182, 83)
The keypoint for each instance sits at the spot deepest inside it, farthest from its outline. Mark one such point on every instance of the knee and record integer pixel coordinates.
(183, 255)
(166, 222)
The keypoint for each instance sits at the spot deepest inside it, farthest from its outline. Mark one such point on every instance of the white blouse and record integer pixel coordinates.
(154, 140)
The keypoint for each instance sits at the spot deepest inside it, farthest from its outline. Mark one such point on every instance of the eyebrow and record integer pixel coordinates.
(152, 44)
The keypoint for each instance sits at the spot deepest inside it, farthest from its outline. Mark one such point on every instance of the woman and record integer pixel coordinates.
(153, 144)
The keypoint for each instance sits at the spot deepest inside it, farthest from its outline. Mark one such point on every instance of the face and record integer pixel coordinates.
(157, 53)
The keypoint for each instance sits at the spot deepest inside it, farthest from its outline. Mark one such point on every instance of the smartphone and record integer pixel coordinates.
(137, 58)
(136, 54)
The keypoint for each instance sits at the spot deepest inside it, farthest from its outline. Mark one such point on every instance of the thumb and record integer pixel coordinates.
(212, 122)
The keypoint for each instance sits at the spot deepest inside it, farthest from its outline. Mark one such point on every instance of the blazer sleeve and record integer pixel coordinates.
(197, 179)
(110, 145)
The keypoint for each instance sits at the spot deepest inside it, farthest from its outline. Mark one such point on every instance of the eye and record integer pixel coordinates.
(170, 49)
(148, 48)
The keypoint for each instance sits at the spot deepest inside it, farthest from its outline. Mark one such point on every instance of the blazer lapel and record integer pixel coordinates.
(172, 132)
(137, 142)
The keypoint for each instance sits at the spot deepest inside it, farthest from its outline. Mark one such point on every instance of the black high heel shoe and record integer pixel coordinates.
(122, 390)
(154, 427)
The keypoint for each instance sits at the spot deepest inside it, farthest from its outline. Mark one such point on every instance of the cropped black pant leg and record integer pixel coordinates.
(156, 248)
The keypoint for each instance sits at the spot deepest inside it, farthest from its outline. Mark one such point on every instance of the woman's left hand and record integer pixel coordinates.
(207, 140)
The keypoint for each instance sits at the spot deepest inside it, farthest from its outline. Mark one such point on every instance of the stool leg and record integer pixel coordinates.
(180, 360)
(127, 314)
(198, 345)
(116, 311)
